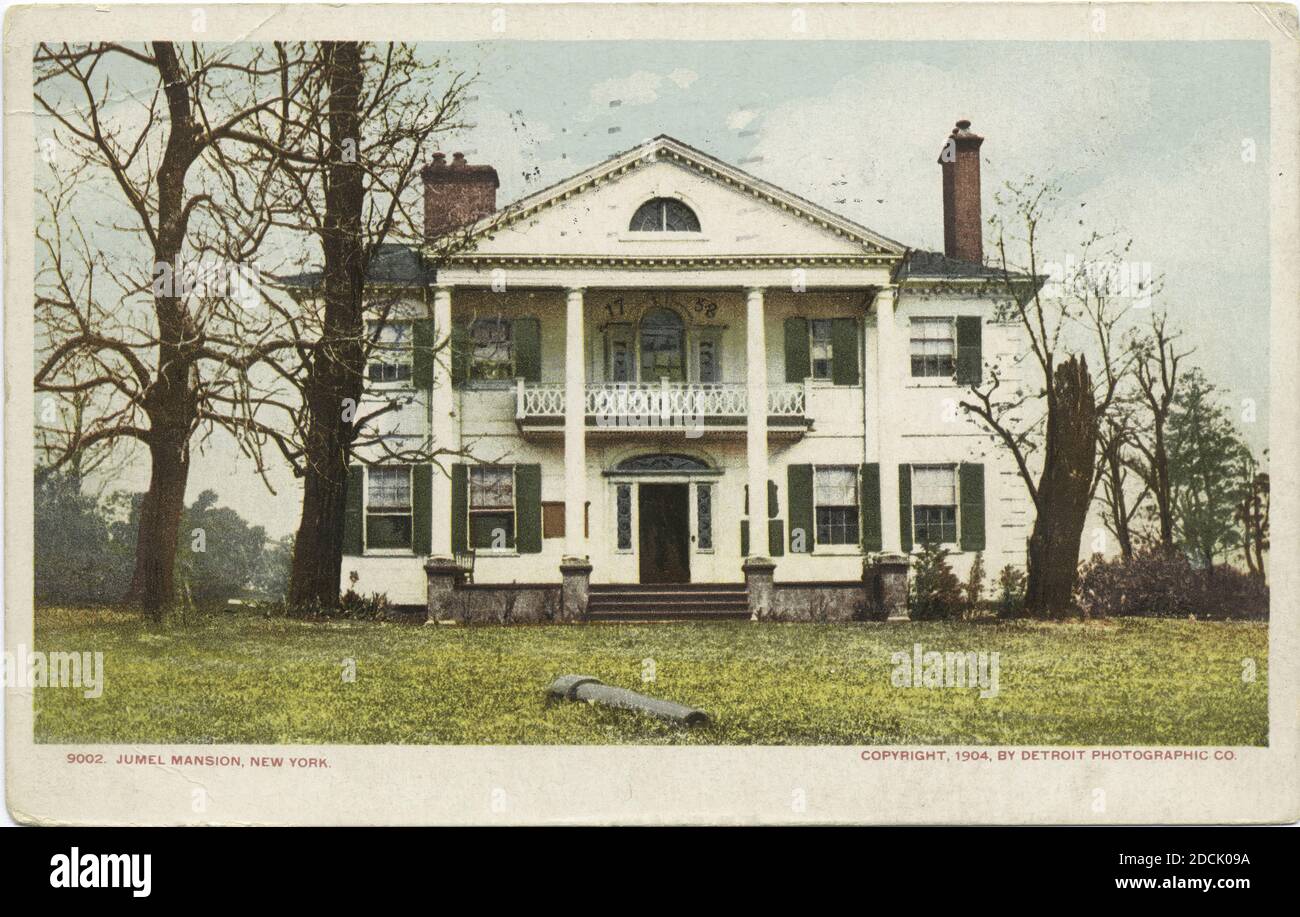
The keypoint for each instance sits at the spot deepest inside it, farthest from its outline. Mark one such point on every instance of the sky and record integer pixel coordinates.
(1162, 142)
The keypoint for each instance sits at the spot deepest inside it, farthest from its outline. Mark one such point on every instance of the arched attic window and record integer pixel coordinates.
(664, 214)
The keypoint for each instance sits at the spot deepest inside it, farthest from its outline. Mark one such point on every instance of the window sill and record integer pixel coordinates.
(933, 382)
(836, 550)
(480, 553)
(388, 552)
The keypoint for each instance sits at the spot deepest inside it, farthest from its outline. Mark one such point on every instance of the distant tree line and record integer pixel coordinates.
(85, 549)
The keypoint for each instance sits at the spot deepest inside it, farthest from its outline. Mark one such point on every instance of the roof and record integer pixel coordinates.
(394, 264)
(928, 265)
(662, 147)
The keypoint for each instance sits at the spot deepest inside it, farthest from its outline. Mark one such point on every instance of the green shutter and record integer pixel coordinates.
(773, 504)
(970, 360)
(422, 358)
(352, 510)
(844, 351)
(776, 537)
(798, 357)
(528, 349)
(744, 537)
(422, 506)
(869, 506)
(459, 353)
(905, 507)
(970, 486)
(528, 509)
(459, 508)
(799, 501)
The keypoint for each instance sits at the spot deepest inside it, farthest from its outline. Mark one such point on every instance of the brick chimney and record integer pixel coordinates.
(456, 194)
(963, 235)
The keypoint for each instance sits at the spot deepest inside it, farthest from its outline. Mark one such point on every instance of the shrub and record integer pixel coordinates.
(1158, 583)
(935, 593)
(974, 586)
(353, 604)
(1011, 592)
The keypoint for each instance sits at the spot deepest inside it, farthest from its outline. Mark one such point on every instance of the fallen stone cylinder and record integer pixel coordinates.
(594, 691)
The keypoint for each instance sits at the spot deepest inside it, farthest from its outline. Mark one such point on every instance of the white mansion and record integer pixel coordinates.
(664, 371)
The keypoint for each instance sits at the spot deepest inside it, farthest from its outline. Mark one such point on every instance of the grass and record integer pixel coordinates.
(241, 678)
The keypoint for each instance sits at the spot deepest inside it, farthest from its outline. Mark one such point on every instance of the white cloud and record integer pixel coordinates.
(740, 119)
(868, 147)
(683, 78)
(639, 88)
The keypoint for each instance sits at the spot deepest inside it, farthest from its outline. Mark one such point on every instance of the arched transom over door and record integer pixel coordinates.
(662, 463)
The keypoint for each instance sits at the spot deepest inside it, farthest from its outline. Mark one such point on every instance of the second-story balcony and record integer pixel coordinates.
(697, 408)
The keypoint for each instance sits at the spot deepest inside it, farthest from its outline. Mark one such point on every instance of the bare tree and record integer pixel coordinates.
(1061, 440)
(146, 128)
(1156, 360)
(1120, 506)
(1252, 513)
(347, 150)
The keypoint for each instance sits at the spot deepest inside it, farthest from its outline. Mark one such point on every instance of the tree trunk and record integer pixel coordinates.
(152, 585)
(171, 401)
(318, 548)
(1119, 504)
(338, 362)
(1161, 489)
(1063, 491)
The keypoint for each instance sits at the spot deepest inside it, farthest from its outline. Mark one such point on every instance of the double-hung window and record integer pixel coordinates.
(835, 495)
(492, 506)
(708, 357)
(822, 352)
(492, 355)
(934, 348)
(391, 352)
(388, 507)
(934, 504)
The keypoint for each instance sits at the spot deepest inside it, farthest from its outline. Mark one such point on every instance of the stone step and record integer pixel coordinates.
(673, 588)
(659, 614)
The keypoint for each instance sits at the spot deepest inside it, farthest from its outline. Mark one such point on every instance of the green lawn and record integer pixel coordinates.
(228, 677)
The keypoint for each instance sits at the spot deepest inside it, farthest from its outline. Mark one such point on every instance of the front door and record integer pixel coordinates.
(664, 533)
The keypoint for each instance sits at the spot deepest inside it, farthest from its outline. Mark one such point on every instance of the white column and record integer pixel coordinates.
(444, 424)
(575, 441)
(756, 422)
(889, 358)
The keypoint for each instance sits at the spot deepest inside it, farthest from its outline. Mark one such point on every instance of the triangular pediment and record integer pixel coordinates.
(589, 215)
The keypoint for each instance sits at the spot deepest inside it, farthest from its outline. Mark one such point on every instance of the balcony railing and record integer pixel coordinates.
(659, 403)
